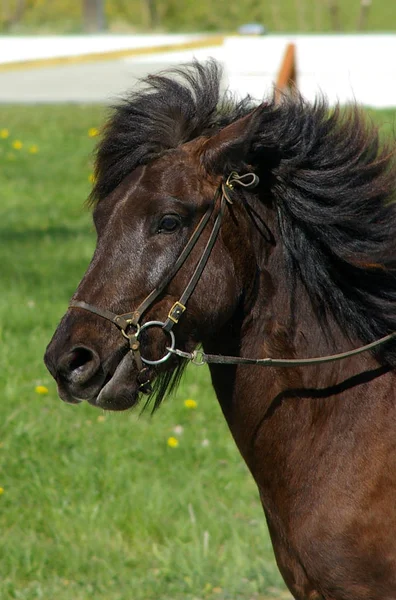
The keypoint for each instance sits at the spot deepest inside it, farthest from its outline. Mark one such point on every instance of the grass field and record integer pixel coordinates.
(97, 506)
(188, 15)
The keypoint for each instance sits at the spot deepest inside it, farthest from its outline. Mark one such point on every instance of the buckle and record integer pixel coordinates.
(176, 312)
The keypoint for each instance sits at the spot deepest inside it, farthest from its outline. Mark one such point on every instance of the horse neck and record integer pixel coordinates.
(279, 322)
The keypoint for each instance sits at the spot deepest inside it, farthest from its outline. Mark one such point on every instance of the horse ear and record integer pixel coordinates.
(232, 145)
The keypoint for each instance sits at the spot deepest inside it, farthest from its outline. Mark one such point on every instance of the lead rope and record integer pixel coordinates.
(197, 357)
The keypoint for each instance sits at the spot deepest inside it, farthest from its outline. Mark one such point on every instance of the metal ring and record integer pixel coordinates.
(136, 334)
(171, 347)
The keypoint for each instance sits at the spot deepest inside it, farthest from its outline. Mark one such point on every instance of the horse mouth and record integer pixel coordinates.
(118, 390)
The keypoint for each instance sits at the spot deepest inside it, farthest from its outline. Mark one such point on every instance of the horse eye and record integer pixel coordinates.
(169, 224)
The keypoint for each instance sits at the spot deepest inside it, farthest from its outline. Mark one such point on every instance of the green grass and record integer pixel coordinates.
(189, 15)
(97, 506)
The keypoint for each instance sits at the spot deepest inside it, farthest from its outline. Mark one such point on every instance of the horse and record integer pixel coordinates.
(259, 238)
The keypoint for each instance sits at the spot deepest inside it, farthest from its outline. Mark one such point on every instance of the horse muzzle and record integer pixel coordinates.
(81, 375)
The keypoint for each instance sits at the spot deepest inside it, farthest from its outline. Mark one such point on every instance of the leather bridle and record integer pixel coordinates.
(131, 328)
(129, 323)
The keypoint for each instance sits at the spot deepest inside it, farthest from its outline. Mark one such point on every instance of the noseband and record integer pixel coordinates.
(131, 329)
(129, 323)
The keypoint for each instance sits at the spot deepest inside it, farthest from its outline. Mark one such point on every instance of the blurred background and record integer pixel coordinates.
(335, 45)
(120, 16)
(99, 506)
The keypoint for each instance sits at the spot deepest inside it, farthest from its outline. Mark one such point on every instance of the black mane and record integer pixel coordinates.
(172, 108)
(333, 185)
(332, 182)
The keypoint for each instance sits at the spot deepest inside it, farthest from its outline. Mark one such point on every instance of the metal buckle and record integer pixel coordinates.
(198, 358)
(171, 347)
(136, 333)
(176, 312)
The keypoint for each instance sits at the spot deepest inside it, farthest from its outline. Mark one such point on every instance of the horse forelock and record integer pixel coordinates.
(173, 108)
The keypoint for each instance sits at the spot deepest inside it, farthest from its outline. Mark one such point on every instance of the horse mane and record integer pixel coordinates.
(172, 108)
(331, 180)
(333, 185)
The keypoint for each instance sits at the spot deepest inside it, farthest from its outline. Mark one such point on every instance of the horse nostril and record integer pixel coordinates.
(80, 357)
(80, 364)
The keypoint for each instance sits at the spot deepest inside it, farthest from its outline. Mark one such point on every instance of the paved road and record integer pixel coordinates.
(89, 82)
(94, 82)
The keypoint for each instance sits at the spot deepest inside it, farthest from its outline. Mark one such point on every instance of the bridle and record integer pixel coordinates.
(129, 323)
(131, 328)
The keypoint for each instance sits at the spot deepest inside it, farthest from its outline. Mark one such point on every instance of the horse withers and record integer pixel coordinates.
(257, 231)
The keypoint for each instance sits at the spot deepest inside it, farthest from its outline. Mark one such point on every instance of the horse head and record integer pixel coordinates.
(168, 206)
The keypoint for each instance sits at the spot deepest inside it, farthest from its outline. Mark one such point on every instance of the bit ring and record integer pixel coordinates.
(171, 346)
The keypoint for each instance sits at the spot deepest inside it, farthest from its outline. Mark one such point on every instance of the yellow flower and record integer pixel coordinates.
(41, 389)
(1, 490)
(91, 178)
(173, 442)
(189, 403)
(217, 590)
(4, 133)
(93, 132)
(101, 419)
(17, 145)
(33, 149)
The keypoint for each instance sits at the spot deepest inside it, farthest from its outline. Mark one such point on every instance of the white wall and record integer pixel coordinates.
(21, 48)
(343, 67)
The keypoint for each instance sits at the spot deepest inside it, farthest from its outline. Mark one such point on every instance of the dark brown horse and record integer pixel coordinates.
(296, 201)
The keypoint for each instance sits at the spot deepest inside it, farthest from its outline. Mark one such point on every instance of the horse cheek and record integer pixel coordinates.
(220, 293)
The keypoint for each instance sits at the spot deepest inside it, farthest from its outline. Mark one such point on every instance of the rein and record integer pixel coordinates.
(129, 325)
(197, 357)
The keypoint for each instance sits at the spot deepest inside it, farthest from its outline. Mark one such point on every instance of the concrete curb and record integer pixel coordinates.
(38, 63)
